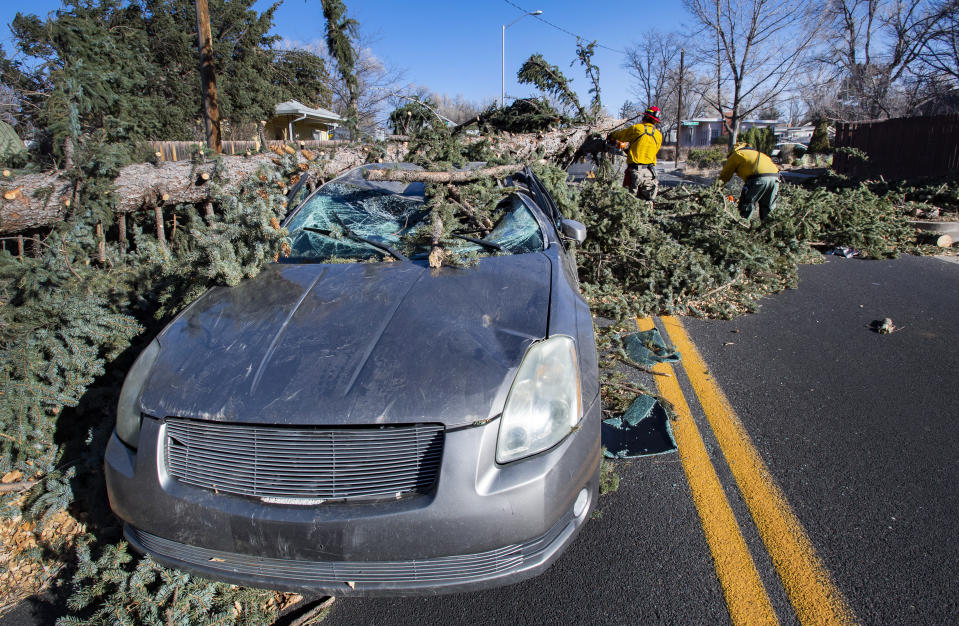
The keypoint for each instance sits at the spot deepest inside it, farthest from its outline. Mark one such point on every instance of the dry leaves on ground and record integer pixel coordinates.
(24, 568)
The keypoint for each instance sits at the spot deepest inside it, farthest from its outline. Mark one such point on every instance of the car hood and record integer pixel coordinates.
(358, 343)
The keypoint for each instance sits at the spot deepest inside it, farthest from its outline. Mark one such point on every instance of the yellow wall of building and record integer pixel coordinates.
(278, 128)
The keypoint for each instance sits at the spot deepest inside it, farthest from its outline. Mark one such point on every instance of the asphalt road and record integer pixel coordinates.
(858, 429)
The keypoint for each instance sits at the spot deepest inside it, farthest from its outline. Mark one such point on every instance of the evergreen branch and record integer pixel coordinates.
(642, 368)
(720, 288)
(63, 255)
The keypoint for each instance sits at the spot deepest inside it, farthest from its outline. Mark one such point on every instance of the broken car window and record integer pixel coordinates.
(329, 226)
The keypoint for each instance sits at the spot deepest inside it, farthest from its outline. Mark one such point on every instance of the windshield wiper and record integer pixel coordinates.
(375, 244)
(349, 233)
(482, 242)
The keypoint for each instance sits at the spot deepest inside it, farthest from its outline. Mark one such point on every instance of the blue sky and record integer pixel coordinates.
(456, 48)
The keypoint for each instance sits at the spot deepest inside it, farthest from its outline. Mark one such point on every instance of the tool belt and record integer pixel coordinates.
(755, 176)
(636, 166)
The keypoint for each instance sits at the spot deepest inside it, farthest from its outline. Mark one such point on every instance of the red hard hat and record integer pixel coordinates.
(652, 113)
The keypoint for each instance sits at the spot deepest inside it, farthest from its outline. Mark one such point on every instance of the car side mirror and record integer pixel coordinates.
(573, 230)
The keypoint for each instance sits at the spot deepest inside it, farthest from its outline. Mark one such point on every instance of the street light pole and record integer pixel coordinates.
(502, 99)
(679, 106)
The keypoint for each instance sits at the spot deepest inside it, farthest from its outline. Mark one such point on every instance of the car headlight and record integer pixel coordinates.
(128, 407)
(544, 403)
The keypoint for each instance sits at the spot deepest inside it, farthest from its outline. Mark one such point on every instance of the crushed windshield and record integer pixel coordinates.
(356, 220)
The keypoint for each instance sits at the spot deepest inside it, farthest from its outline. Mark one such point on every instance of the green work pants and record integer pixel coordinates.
(641, 180)
(761, 190)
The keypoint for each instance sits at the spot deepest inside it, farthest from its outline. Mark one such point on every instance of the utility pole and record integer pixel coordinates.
(679, 112)
(502, 97)
(211, 111)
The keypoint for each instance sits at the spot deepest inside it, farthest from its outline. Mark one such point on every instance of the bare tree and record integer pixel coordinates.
(374, 90)
(458, 109)
(795, 110)
(654, 62)
(940, 51)
(9, 104)
(650, 61)
(755, 49)
(873, 46)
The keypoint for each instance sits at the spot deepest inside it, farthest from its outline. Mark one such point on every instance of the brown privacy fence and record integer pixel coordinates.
(900, 148)
(180, 150)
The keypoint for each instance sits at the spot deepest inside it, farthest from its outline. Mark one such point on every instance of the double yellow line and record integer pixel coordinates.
(807, 583)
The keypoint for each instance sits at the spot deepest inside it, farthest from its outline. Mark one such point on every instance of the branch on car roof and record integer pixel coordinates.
(461, 202)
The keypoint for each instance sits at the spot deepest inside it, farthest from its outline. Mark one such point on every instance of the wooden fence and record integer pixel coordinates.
(181, 150)
(900, 148)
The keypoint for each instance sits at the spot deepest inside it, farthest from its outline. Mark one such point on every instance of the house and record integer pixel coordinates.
(296, 121)
(798, 134)
(700, 132)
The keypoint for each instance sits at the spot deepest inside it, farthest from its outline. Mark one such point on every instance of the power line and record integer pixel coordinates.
(561, 29)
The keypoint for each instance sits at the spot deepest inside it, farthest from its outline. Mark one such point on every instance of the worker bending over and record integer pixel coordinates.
(760, 175)
(644, 141)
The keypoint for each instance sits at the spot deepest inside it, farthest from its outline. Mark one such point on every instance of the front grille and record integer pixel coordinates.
(304, 463)
(305, 574)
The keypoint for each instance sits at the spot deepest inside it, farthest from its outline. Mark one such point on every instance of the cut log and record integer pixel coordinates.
(122, 229)
(935, 239)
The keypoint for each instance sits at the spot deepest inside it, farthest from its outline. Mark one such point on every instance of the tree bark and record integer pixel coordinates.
(39, 200)
(211, 110)
(415, 176)
(68, 153)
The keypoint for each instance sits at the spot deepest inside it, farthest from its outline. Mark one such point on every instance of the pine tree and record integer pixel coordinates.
(340, 31)
(129, 70)
(415, 117)
(550, 80)
(762, 139)
(585, 55)
(819, 143)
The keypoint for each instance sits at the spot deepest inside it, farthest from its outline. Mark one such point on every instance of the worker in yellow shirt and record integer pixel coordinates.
(760, 175)
(644, 141)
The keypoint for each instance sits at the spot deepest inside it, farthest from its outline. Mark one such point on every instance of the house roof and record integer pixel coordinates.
(292, 107)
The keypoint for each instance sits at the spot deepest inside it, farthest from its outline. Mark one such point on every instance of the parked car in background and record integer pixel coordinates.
(353, 422)
(786, 151)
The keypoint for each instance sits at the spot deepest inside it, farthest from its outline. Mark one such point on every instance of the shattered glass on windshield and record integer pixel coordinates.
(334, 221)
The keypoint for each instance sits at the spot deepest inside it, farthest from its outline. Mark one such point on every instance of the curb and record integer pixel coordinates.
(946, 228)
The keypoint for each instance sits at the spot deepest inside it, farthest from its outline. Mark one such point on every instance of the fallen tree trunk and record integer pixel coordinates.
(39, 200)
(36, 201)
(417, 176)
